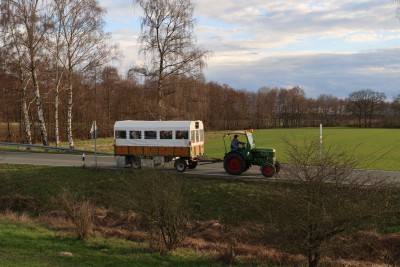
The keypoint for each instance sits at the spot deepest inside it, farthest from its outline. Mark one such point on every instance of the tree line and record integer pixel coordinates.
(45, 46)
(104, 96)
(56, 78)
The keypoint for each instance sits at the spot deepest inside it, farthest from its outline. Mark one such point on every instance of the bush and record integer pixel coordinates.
(160, 201)
(80, 212)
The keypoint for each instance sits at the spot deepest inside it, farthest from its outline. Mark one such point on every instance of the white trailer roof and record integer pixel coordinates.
(130, 124)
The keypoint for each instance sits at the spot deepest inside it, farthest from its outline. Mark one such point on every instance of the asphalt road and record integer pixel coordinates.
(70, 160)
(50, 159)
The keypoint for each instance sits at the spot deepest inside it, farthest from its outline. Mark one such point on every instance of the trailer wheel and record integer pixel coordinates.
(133, 161)
(136, 163)
(192, 165)
(234, 164)
(268, 170)
(180, 165)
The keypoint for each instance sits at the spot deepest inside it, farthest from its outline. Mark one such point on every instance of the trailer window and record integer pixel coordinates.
(201, 135)
(120, 134)
(165, 134)
(181, 135)
(135, 134)
(150, 134)
(197, 136)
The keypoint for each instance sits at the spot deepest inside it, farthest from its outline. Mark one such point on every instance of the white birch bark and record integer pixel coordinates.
(56, 123)
(39, 106)
(25, 114)
(69, 112)
(23, 83)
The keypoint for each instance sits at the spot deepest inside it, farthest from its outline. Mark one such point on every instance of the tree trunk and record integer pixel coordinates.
(39, 107)
(25, 114)
(69, 113)
(162, 111)
(56, 126)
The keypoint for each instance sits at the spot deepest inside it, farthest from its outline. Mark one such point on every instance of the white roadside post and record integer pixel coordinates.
(320, 141)
(94, 133)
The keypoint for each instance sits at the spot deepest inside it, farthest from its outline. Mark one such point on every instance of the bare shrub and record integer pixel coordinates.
(79, 211)
(161, 202)
(325, 197)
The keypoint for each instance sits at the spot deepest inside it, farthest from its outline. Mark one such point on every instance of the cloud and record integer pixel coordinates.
(329, 73)
(331, 47)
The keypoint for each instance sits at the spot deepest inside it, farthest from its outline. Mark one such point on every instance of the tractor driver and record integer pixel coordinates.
(236, 144)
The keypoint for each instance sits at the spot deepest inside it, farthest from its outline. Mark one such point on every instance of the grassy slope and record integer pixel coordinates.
(230, 201)
(21, 245)
(225, 199)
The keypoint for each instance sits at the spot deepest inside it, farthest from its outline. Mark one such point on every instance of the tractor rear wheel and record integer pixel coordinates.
(234, 164)
(268, 170)
(247, 168)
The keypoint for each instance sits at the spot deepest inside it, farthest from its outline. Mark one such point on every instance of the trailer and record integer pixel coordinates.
(153, 143)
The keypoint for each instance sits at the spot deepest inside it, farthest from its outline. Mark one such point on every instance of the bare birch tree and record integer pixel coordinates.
(16, 61)
(85, 43)
(27, 26)
(55, 48)
(168, 45)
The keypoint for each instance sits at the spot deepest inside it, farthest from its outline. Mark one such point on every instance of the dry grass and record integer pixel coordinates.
(16, 217)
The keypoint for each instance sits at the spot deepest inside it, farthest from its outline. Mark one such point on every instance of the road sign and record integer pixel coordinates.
(94, 131)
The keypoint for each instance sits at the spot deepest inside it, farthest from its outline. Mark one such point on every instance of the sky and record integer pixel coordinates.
(324, 47)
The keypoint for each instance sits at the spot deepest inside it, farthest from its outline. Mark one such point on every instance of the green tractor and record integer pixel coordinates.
(239, 159)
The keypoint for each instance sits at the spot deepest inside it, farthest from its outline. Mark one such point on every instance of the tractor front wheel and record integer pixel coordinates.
(234, 164)
(268, 170)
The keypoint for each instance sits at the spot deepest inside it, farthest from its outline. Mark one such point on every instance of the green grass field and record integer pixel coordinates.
(375, 148)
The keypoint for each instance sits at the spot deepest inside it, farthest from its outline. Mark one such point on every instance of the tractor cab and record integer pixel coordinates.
(241, 156)
(244, 137)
